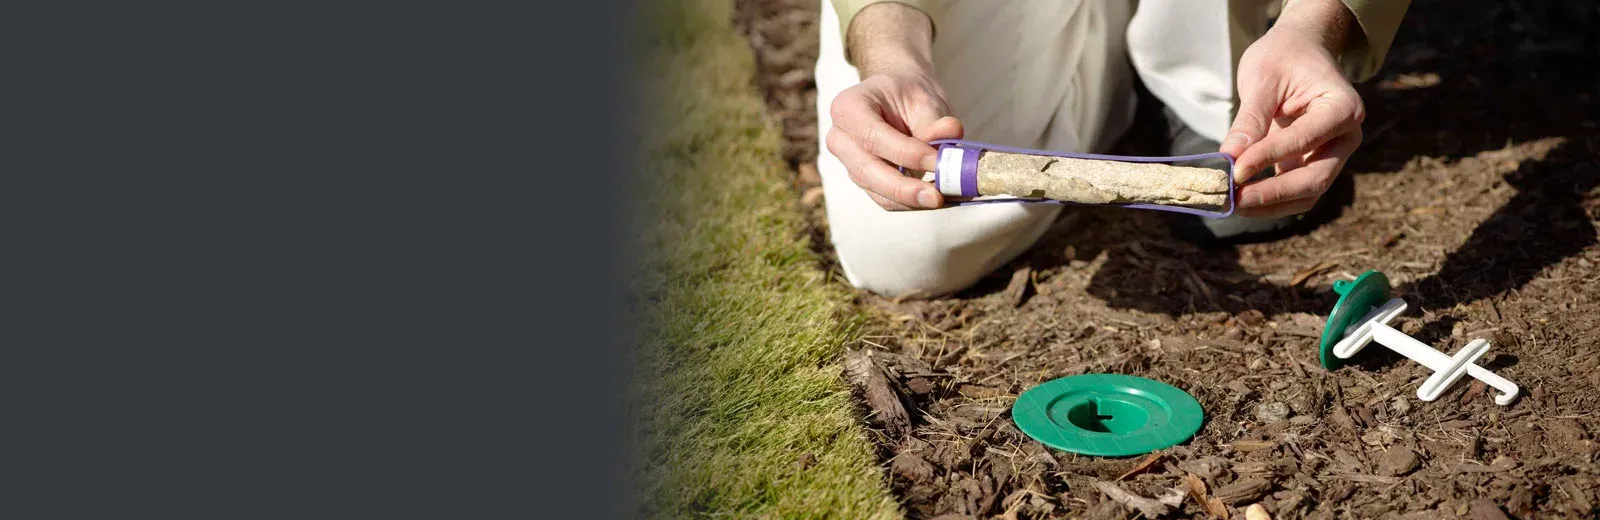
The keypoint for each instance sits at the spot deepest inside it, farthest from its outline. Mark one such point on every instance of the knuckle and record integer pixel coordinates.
(857, 177)
(1322, 183)
(906, 195)
(836, 108)
(832, 140)
(1271, 195)
(869, 140)
(1252, 124)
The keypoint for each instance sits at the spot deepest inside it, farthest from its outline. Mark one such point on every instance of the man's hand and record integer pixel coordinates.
(887, 119)
(1296, 111)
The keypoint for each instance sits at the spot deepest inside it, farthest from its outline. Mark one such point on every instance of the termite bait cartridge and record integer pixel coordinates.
(971, 172)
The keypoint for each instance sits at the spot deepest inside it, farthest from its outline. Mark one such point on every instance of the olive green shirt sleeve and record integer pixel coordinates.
(847, 10)
(1379, 20)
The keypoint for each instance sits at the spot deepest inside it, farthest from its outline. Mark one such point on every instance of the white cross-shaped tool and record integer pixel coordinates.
(1446, 369)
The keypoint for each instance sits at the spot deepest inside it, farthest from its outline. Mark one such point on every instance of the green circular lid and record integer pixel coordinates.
(1107, 415)
(1356, 299)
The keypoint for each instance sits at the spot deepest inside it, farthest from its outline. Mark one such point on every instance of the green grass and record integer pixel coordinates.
(737, 378)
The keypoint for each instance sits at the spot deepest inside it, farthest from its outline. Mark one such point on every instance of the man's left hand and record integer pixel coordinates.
(1297, 112)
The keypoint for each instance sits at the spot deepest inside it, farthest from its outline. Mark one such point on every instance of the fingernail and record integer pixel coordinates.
(930, 162)
(1241, 174)
(1235, 139)
(1253, 200)
(928, 199)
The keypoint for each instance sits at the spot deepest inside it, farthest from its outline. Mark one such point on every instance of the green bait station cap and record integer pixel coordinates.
(1107, 415)
(1356, 299)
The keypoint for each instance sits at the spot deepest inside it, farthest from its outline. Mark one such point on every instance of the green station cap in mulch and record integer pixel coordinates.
(1356, 299)
(1107, 415)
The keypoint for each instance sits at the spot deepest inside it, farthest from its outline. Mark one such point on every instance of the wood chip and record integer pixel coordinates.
(1243, 491)
(1143, 465)
(1206, 467)
(1576, 492)
(920, 386)
(912, 467)
(874, 388)
(1197, 490)
(1398, 460)
(1473, 391)
(1151, 508)
(1017, 290)
(1485, 509)
(1253, 445)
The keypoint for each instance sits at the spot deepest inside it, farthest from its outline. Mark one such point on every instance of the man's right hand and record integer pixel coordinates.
(888, 119)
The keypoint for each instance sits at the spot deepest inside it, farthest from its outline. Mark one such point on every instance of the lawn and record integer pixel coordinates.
(739, 406)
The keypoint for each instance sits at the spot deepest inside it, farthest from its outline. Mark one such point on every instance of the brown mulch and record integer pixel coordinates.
(1475, 191)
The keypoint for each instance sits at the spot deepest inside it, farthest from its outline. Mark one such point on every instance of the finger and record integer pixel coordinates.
(1288, 163)
(1309, 180)
(887, 204)
(1325, 118)
(1282, 209)
(859, 118)
(876, 176)
(946, 127)
(1258, 103)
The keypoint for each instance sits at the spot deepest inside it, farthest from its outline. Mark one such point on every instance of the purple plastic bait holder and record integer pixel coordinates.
(966, 183)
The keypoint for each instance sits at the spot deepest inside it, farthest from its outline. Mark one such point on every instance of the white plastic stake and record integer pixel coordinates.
(1374, 327)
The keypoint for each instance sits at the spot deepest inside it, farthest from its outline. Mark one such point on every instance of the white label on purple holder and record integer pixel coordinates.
(949, 171)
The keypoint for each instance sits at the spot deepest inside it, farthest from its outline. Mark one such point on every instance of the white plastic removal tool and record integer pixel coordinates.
(1374, 327)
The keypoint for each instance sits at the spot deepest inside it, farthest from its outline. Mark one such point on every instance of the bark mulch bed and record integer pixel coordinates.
(1475, 191)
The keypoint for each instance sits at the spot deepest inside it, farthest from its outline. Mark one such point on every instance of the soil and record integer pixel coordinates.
(1475, 191)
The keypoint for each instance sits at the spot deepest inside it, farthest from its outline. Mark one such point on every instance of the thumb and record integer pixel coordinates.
(1257, 107)
(947, 127)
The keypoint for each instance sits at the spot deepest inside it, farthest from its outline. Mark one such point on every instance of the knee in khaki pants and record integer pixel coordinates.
(928, 253)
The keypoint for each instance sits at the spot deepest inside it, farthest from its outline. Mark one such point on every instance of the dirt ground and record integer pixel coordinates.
(1475, 191)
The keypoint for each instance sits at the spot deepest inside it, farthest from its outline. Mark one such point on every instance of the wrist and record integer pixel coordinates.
(1324, 23)
(890, 37)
